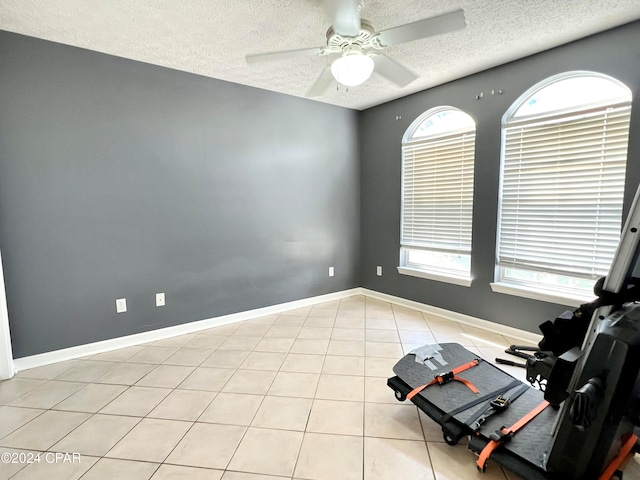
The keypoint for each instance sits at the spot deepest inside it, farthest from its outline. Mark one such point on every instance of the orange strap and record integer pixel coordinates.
(471, 386)
(617, 461)
(493, 444)
(443, 378)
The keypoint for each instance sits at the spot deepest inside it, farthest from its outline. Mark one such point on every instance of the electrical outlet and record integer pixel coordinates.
(121, 305)
(159, 299)
(379, 270)
(331, 271)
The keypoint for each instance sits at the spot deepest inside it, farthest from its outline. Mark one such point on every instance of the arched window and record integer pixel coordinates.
(564, 154)
(437, 196)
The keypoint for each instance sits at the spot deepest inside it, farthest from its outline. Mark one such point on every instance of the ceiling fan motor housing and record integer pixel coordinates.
(366, 39)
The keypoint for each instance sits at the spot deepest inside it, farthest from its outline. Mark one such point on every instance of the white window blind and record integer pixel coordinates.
(562, 192)
(437, 197)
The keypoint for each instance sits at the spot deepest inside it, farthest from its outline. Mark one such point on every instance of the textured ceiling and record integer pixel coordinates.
(211, 37)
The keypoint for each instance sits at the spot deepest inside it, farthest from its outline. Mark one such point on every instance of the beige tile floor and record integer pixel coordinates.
(300, 395)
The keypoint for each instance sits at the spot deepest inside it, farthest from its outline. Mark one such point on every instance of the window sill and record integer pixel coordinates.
(464, 282)
(537, 294)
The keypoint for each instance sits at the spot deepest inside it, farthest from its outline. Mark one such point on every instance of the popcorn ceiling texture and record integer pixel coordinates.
(211, 37)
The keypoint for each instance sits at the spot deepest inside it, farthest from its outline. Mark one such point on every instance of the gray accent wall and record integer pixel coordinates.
(615, 53)
(123, 179)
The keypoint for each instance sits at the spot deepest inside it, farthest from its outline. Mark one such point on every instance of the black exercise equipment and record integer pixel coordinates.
(578, 422)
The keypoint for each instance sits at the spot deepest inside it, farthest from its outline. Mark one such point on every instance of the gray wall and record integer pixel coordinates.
(122, 179)
(614, 53)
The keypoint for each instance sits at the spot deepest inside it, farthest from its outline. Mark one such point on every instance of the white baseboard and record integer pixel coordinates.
(492, 327)
(168, 332)
(71, 353)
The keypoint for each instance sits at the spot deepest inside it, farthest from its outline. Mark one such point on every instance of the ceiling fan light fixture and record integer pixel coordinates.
(352, 69)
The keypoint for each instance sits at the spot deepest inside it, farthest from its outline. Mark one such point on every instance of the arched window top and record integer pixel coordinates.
(437, 122)
(568, 92)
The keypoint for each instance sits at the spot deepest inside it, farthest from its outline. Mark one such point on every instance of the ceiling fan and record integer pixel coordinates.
(360, 46)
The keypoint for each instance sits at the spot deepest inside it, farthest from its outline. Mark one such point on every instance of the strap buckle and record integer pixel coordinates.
(500, 403)
(443, 378)
(501, 436)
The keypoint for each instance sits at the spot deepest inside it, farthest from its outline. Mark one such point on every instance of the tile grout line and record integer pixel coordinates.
(235, 451)
(304, 433)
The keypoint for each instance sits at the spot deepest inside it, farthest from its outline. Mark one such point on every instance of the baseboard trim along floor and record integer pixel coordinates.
(168, 332)
(500, 329)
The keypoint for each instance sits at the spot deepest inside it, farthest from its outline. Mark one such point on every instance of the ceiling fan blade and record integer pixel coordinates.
(282, 55)
(345, 16)
(423, 28)
(322, 83)
(392, 70)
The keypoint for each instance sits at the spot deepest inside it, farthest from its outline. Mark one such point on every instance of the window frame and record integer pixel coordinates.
(405, 267)
(523, 288)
